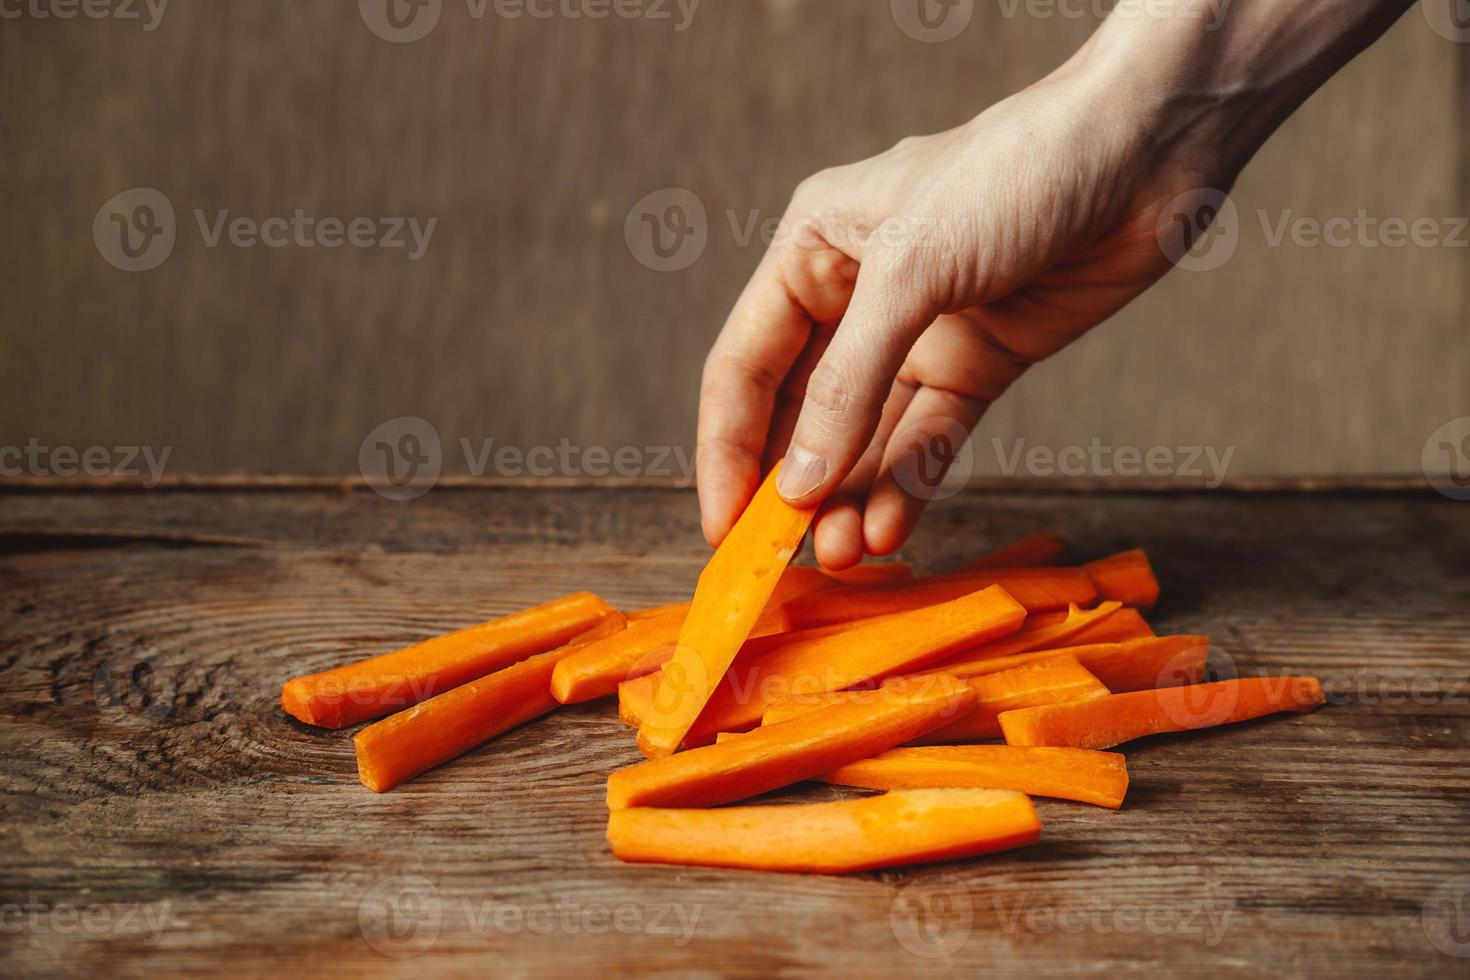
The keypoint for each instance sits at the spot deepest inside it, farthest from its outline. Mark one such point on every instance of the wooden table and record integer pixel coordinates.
(162, 816)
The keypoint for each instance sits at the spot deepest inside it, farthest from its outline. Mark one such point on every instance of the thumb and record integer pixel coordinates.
(846, 390)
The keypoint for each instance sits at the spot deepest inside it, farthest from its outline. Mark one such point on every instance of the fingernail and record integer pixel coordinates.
(801, 473)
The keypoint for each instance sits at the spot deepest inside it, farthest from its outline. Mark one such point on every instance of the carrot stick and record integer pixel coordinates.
(1042, 548)
(648, 644)
(634, 697)
(1049, 681)
(1132, 665)
(380, 685)
(1127, 577)
(636, 694)
(733, 589)
(884, 571)
(1034, 588)
(1046, 681)
(432, 732)
(779, 755)
(1044, 638)
(1117, 718)
(1124, 624)
(870, 650)
(904, 827)
(597, 668)
(1084, 775)
(650, 612)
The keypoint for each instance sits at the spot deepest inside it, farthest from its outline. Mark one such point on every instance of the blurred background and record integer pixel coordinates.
(253, 232)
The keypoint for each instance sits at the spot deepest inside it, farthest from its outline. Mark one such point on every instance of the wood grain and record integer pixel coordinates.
(147, 770)
(529, 321)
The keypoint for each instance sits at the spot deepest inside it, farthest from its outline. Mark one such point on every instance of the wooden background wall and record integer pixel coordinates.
(529, 320)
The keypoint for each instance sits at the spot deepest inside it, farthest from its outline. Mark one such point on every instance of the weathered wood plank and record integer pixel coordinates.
(1302, 846)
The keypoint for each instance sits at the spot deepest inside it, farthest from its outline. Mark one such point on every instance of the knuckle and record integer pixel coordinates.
(830, 395)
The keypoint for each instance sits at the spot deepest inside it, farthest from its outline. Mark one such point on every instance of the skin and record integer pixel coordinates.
(904, 293)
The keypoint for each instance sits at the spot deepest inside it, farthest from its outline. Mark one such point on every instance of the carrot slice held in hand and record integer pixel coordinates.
(778, 755)
(733, 589)
(904, 827)
(868, 650)
(1042, 548)
(434, 731)
(380, 685)
(1126, 577)
(1100, 778)
(1034, 588)
(1119, 718)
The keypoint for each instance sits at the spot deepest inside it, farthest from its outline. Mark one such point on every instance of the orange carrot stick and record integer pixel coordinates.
(782, 754)
(872, 574)
(733, 589)
(647, 645)
(1047, 681)
(636, 694)
(634, 697)
(1034, 588)
(380, 685)
(1084, 775)
(1132, 665)
(597, 668)
(1045, 638)
(434, 731)
(867, 651)
(904, 827)
(1127, 577)
(1118, 718)
(650, 612)
(1124, 624)
(1042, 548)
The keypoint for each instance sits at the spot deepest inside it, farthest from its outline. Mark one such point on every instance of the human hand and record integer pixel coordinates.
(903, 294)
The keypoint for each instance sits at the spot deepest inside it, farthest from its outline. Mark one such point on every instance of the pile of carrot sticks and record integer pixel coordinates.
(959, 695)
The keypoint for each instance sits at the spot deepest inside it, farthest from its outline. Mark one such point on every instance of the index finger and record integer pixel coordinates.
(755, 350)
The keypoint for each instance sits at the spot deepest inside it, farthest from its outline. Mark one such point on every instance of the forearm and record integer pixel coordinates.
(1217, 77)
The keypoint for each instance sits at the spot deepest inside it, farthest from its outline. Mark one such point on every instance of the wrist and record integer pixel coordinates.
(1206, 82)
